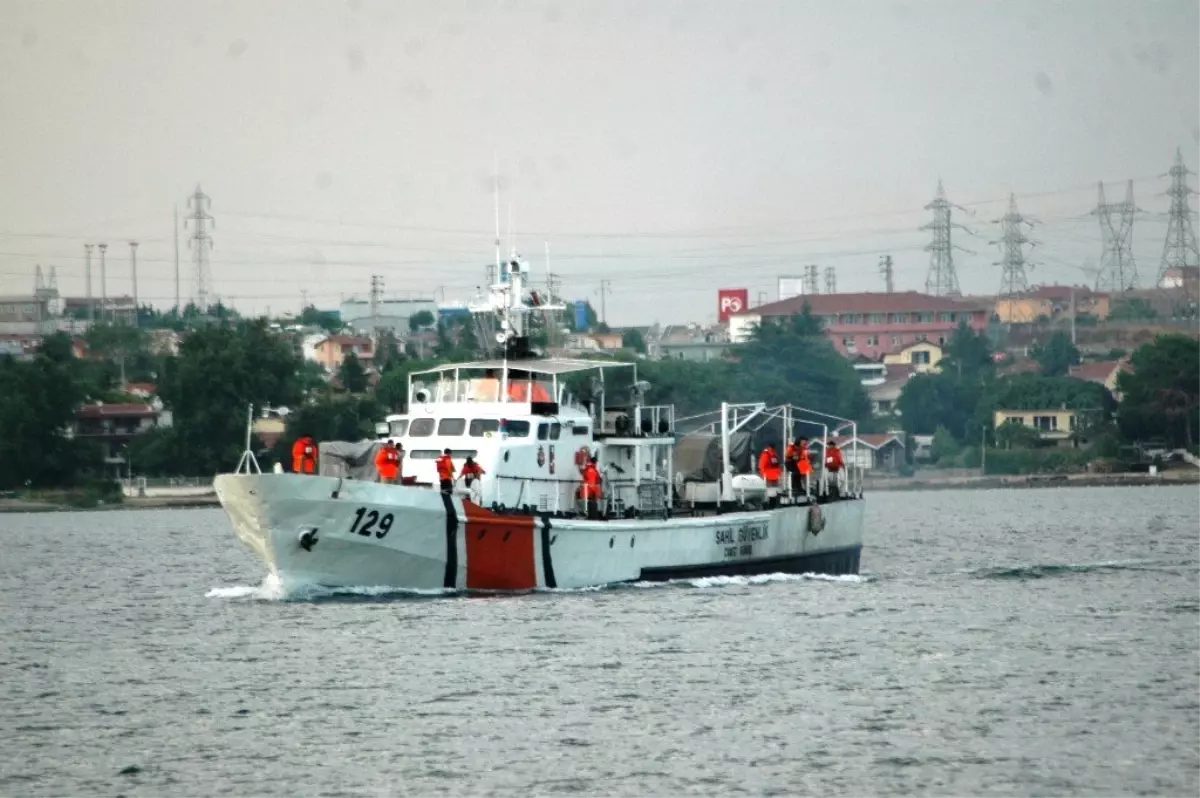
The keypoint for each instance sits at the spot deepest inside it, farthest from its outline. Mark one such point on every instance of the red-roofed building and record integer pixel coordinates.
(1104, 372)
(873, 451)
(332, 350)
(114, 425)
(873, 324)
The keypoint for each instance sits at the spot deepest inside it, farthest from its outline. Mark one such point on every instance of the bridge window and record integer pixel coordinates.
(579, 430)
(479, 426)
(543, 431)
(420, 428)
(517, 429)
(433, 454)
(555, 431)
(452, 426)
(398, 428)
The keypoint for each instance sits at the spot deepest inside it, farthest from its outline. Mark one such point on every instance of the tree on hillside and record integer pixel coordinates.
(1161, 397)
(1056, 356)
(967, 355)
(38, 399)
(930, 401)
(420, 320)
(328, 320)
(352, 374)
(219, 371)
(632, 339)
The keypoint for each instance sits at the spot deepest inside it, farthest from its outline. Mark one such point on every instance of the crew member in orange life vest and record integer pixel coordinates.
(589, 490)
(768, 465)
(833, 464)
(387, 463)
(798, 465)
(471, 471)
(445, 469)
(304, 455)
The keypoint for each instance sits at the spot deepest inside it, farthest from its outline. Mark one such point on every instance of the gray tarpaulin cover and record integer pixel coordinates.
(348, 460)
(698, 455)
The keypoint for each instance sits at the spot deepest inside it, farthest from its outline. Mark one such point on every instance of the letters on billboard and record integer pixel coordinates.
(730, 301)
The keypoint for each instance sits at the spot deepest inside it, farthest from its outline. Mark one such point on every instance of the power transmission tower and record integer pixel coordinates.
(885, 269)
(605, 289)
(1118, 272)
(201, 242)
(1012, 243)
(830, 280)
(811, 285)
(103, 283)
(942, 279)
(1180, 254)
(133, 245)
(376, 294)
(87, 256)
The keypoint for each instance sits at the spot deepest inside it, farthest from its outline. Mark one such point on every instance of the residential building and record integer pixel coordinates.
(1180, 277)
(1053, 426)
(1104, 372)
(882, 451)
(119, 309)
(331, 350)
(1052, 302)
(697, 351)
(113, 426)
(873, 324)
(923, 356)
(884, 392)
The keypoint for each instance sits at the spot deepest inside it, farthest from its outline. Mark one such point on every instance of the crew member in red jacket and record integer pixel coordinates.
(304, 455)
(445, 469)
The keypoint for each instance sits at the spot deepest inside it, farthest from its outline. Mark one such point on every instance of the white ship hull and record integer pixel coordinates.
(349, 533)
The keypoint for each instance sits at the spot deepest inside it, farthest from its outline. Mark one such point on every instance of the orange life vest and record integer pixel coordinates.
(445, 467)
(387, 461)
(471, 470)
(304, 455)
(590, 489)
(803, 465)
(833, 459)
(768, 465)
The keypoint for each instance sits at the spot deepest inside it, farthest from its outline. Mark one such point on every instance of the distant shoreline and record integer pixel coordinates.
(1180, 476)
(156, 503)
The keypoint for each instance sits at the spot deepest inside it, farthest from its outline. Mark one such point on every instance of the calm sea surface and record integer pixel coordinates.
(1021, 642)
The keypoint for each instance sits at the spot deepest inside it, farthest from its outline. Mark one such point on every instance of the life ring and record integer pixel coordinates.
(816, 519)
(581, 456)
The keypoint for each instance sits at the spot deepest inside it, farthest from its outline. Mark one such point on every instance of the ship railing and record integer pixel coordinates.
(794, 420)
(654, 419)
(619, 496)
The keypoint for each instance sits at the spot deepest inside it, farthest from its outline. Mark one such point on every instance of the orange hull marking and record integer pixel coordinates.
(499, 550)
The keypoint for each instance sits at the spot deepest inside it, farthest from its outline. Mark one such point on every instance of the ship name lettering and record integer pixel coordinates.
(365, 523)
(752, 532)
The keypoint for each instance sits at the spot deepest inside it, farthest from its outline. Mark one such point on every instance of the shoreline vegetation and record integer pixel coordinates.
(46, 502)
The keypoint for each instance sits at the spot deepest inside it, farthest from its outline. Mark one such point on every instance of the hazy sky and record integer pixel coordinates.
(671, 147)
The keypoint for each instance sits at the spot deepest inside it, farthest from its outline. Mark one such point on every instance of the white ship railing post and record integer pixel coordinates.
(247, 459)
(726, 475)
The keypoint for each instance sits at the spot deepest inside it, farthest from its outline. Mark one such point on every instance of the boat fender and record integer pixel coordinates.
(816, 519)
(308, 539)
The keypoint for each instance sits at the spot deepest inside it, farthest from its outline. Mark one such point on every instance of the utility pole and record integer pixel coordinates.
(1072, 315)
(133, 245)
(1180, 254)
(103, 283)
(1118, 272)
(942, 280)
(178, 307)
(201, 243)
(605, 288)
(91, 305)
(885, 269)
(830, 280)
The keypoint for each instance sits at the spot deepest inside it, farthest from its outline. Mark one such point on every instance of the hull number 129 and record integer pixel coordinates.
(365, 522)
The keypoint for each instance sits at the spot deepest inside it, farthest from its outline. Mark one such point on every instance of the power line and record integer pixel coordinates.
(942, 280)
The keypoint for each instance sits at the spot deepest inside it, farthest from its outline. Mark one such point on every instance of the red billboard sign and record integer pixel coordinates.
(730, 301)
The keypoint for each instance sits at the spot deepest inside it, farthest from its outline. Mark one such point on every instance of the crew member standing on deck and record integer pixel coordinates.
(304, 455)
(791, 463)
(834, 465)
(589, 490)
(803, 464)
(769, 466)
(471, 471)
(387, 463)
(445, 469)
